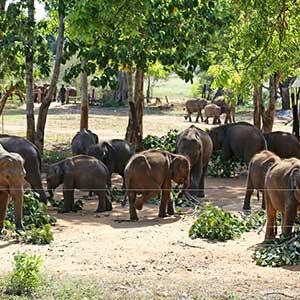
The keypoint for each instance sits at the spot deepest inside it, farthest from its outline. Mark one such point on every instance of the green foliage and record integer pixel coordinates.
(117, 194)
(166, 142)
(26, 274)
(34, 212)
(214, 223)
(53, 156)
(219, 168)
(279, 252)
(59, 204)
(41, 236)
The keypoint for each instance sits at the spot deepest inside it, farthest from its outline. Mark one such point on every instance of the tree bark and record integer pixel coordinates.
(257, 103)
(134, 133)
(84, 115)
(43, 111)
(148, 89)
(295, 116)
(29, 72)
(284, 93)
(269, 114)
(5, 97)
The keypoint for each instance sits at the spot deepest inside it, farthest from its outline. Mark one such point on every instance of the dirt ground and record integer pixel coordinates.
(155, 257)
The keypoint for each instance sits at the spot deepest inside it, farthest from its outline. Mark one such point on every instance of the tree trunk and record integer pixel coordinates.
(148, 89)
(269, 114)
(84, 115)
(2, 5)
(5, 97)
(29, 72)
(43, 111)
(257, 103)
(295, 116)
(134, 133)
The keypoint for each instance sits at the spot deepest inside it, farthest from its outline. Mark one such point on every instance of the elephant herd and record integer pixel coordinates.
(211, 110)
(272, 159)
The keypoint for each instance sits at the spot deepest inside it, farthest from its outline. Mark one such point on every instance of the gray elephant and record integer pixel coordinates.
(12, 175)
(227, 109)
(115, 154)
(284, 144)
(81, 172)
(212, 111)
(82, 141)
(196, 145)
(194, 105)
(32, 161)
(282, 193)
(257, 170)
(150, 172)
(240, 140)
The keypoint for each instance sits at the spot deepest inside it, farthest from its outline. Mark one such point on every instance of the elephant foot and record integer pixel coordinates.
(162, 215)
(247, 211)
(171, 212)
(65, 211)
(99, 210)
(134, 218)
(201, 194)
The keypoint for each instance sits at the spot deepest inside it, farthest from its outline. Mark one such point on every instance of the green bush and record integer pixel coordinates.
(59, 204)
(282, 251)
(214, 223)
(41, 236)
(217, 167)
(166, 142)
(26, 274)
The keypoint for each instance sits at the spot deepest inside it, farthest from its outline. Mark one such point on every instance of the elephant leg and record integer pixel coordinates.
(263, 202)
(166, 200)
(197, 117)
(3, 208)
(189, 116)
(271, 218)
(249, 191)
(226, 151)
(206, 120)
(101, 202)
(68, 192)
(35, 181)
(132, 210)
(141, 200)
(214, 120)
(201, 116)
(18, 206)
(288, 219)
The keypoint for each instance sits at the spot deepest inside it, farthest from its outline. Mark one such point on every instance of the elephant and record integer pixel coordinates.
(82, 141)
(71, 92)
(196, 145)
(212, 111)
(257, 170)
(32, 161)
(228, 110)
(282, 193)
(195, 105)
(81, 172)
(115, 154)
(150, 172)
(240, 140)
(284, 144)
(12, 175)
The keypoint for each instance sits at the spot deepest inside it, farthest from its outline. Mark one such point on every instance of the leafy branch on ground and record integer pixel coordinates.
(59, 204)
(214, 223)
(217, 167)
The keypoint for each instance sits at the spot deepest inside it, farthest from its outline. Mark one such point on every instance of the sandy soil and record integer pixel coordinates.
(154, 256)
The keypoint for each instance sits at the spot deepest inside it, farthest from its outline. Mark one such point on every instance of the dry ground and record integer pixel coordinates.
(153, 258)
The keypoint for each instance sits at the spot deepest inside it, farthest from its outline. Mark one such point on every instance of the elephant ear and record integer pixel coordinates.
(294, 179)
(96, 138)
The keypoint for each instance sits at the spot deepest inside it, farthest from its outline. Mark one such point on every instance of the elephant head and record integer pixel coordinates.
(54, 177)
(217, 136)
(180, 170)
(12, 175)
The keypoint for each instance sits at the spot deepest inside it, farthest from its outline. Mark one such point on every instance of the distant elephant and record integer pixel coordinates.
(32, 161)
(240, 140)
(115, 154)
(11, 184)
(282, 193)
(227, 109)
(84, 173)
(82, 141)
(212, 111)
(194, 105)
(284, 144)
(257, 170)
(71, 92)
(196, 145)
(150, 172)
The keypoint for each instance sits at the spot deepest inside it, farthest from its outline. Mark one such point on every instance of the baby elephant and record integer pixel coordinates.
(212, 111)
(81, 172)
(151, 172)
(12, 175)
(194, 105)
(282, 193)
(82, 141)
(258, 168)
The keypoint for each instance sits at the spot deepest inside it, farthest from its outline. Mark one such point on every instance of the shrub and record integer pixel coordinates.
(26, 274)
(59, 204)
(219, 168)
(214, 223)
(40, 236)
(279, 252)
(166, 142)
